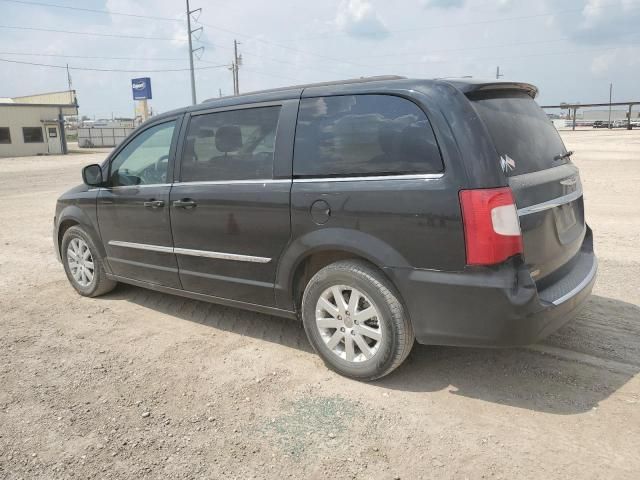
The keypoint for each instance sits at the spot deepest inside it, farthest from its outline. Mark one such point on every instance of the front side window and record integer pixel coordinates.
(32, 134)
(355, 135)
(231, 145)
(145, 159)
(5, 135)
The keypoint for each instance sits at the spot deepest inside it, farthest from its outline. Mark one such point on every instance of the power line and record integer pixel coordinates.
(275, 60)
(509, 57)
(31, 54)
(481, 47)
(279, 45)
(110, 35)
(91, 10)
(111, 69)
(93, 34)
(479, 22)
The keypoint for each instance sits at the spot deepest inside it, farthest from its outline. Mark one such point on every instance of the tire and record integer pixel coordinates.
(388, 334)
(99, 284)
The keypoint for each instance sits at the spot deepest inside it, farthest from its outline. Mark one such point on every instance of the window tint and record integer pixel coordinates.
(5, 135)
(363, 135)
(145, 159)
(522, 131)
(32, 135)
(232, 145)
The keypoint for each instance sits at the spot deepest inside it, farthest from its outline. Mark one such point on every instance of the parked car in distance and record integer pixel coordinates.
(379, 211)
(598, 124)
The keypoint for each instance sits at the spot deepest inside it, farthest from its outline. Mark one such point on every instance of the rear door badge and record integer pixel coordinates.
(507, 163)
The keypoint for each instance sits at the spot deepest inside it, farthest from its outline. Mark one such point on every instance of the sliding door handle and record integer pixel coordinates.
(184, 203)
(154, 204)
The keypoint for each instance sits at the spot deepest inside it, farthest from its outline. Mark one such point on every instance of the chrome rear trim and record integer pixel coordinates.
(556, 202)
(580, 286)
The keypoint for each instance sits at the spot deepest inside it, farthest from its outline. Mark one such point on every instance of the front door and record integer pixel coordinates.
(53, 139)
(133, 211)
(229, 212)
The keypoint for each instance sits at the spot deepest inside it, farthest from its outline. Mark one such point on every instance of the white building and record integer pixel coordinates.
(34, 125)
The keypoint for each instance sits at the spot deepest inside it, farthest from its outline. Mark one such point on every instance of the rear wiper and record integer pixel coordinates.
(563, 156)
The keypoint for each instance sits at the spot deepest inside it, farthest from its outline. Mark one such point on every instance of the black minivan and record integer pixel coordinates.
(379, 211)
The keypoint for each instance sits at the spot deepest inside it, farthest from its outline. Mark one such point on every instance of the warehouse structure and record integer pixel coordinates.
(34, 125)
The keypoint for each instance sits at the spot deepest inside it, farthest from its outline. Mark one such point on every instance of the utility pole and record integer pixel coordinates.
(191, 50)
(68, 77)
(70, 85)
(237, 61)
(498, 74)
(610, 97)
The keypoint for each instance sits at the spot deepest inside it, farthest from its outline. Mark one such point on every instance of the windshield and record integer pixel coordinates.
(524, 137)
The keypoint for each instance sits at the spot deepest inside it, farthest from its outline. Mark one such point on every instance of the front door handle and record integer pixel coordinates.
(154, 204)
(184, 203)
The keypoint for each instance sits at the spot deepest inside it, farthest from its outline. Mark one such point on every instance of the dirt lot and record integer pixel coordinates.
(142, 385)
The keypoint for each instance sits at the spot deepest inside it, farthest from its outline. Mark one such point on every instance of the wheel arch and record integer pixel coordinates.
(73, 215)
(308, 254)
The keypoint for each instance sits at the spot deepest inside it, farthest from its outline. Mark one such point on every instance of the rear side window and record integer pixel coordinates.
(358, 135)
(523, 135)
(231, 145)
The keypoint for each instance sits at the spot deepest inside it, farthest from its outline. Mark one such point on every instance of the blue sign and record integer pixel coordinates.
(141, 88)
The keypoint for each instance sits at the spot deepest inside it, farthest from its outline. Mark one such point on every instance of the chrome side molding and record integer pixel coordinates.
(191, 252)
(420, 176)
(141, 246)
(221, 255)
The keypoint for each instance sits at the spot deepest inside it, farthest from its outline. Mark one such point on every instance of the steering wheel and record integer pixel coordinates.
(160, 171)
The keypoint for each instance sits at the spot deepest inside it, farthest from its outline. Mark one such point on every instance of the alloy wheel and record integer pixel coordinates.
(349, 323)
(80, 262)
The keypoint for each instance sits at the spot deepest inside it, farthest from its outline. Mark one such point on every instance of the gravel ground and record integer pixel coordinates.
(138, 384)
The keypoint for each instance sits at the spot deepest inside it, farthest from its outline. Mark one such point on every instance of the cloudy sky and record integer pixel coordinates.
(570, 49)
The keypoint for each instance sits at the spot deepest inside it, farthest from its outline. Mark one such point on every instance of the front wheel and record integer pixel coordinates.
(83, 264)
(355, 320)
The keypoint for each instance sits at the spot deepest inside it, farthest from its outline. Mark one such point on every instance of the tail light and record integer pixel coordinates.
(491, 227)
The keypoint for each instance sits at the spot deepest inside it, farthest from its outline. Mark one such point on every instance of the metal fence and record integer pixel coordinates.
(102, 136)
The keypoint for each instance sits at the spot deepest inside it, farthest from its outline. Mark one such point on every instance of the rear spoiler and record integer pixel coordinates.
(471, 88)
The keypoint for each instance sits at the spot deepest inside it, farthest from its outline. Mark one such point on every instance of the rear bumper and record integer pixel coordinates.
(494, 307)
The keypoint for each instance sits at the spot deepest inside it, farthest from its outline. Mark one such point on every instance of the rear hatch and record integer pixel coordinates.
(545, 183)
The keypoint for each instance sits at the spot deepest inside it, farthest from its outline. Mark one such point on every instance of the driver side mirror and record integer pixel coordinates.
(92, 175)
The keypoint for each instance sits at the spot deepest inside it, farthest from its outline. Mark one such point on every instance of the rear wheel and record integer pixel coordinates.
(83, 264)
(355, 320)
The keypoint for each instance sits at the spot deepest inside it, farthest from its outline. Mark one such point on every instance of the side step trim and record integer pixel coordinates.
(207, 298)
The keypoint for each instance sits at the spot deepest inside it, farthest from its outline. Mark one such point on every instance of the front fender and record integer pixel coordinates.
(85, 217)
(360, 244)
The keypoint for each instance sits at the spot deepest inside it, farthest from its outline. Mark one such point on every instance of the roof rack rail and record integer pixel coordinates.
(319, 84)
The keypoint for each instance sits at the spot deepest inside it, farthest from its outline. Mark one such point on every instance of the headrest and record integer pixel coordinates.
(228, 138)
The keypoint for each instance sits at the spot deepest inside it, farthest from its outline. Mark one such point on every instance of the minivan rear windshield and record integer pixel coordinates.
(523, 135)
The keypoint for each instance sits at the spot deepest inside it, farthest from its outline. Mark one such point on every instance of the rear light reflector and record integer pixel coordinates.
(491, 226)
